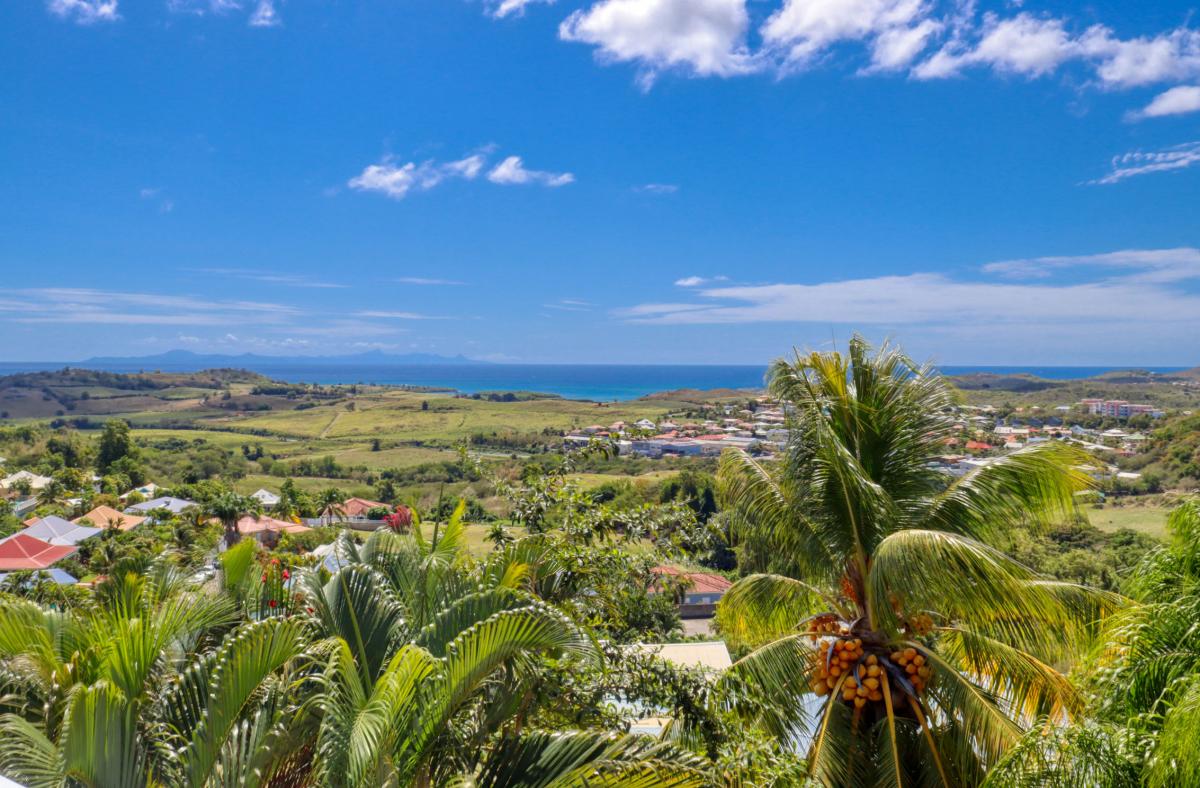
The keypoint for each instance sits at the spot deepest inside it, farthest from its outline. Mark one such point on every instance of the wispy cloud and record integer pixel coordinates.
(60, 305)
(265, 15)
(1143, 265)
(423, 281)
(502, 8)
(397, 180)
(165, 204)
(271, 277)
(657, 188)
(383, 314)
(84, 12)
(512, 171)
(1120, 288)
(696, 281)
(1130, 165)
(1178, 100)
(570, 305)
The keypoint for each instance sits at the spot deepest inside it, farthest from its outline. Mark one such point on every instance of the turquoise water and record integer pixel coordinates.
(603, 382)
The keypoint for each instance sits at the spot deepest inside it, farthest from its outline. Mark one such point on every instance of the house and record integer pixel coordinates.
(36, 482)
(146, 491)
(108, 517)
(265, 497)
(700, 591)
(268, 529)
(357, 508)
(172, 505)
(644, 424)
(58, 531)
(21, 552)
(712, 657)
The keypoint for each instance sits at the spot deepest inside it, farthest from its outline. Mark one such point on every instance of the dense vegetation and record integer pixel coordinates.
(892, 625)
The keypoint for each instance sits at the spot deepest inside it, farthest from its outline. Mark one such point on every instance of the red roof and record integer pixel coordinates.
(701, 582)
(357, 507)
(978, 445)
(22, 551)
(252, 525)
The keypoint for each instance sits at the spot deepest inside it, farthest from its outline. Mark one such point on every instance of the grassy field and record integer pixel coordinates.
(1150, 520)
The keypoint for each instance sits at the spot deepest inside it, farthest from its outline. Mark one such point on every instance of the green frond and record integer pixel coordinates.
(99, 743)
(587, 759)
(26, 755)
(1054, 756)
(772, 686)
(761, 608)
(1176, 757)
(1035, 485)
(358, 605)
(209, 701)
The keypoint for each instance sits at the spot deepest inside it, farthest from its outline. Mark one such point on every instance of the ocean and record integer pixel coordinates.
(601, 382)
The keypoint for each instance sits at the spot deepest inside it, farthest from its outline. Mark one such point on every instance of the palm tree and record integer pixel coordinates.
(424, 684)
(229, 507)
(330, 503)
(1144, 683)
(890, 639)
(52, 495)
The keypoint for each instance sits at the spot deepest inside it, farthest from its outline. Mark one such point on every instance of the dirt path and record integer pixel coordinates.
(329, 426)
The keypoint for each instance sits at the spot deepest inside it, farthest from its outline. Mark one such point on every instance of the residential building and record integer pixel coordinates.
(265, 497)
(21, 552)
(108, 517)
(36, 481)
(58, 531)
(172, 505)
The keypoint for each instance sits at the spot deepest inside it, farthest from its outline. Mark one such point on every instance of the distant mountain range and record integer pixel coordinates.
(185, 360)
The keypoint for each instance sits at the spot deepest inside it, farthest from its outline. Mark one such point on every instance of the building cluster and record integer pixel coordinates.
(1119, 408)
(761, 429)
(45, 541)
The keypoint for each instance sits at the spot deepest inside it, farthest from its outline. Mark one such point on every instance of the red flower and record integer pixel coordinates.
(310, 610)
(272, 603)
(264, 577)
(286, 574)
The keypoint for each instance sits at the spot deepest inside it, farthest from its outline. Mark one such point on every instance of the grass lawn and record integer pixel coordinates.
(589, 481)
(1150, 520)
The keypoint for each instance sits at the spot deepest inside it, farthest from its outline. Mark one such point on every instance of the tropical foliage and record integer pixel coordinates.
(891, 641)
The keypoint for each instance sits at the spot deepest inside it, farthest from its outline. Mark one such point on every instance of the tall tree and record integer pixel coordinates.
(891, 640)
(116, 443)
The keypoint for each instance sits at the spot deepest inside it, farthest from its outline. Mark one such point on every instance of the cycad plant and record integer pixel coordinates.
(891, 640)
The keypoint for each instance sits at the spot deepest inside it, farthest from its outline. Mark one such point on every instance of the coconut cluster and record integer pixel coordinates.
(845, 666)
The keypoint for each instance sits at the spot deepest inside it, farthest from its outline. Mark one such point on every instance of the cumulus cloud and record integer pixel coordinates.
(1023, 44)
(1130, 165)
(1144, 289)
(397, 180)
(701, 37)
(512, 171)
(807, 28)
(84, 12)
(1176, 101)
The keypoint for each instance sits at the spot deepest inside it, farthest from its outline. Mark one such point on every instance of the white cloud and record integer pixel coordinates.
(897, 47)
(1024, 44)
(84, 12)
(1130, 165)
(1142, 61)
(701, 37)
(421, 280)
(512, 171)
(61, 305)
(396, 181)
(806, 28)
(657, 188)
(388, 315)
(931, 299)
(265, 15)
(696, 281)
(502, 8)
(1176, 101)
(1155, 265)
(272, 277)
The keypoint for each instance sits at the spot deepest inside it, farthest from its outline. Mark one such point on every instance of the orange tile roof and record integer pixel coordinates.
(106, 517)
(252, 525)
(703, 582)
(357, 507)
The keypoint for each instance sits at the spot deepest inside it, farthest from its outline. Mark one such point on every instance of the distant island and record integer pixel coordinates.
(186, 360)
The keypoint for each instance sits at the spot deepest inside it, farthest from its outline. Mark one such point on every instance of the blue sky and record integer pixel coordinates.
(601, 180)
